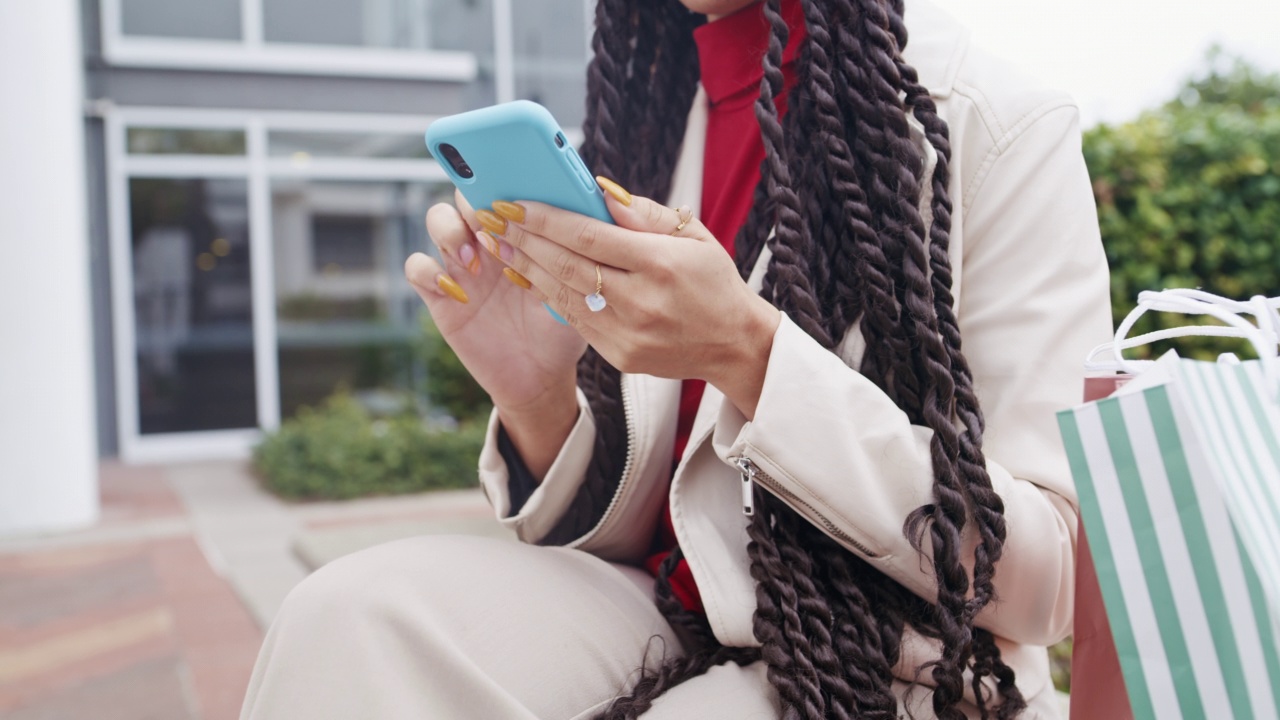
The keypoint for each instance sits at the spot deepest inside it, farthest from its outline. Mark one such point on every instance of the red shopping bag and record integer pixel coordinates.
(1097, 684)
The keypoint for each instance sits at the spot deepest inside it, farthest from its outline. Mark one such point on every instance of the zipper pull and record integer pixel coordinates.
(748, 470)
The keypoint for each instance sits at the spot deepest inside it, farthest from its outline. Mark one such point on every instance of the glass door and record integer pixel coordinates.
(192, 302)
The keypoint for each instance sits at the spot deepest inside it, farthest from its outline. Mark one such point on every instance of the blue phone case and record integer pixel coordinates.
(517, 151)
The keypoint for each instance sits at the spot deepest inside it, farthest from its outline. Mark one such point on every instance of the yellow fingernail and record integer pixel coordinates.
(451, 288)
(509, 210)
(517, 279)
(614, 189)
(491, 222)
(489, 243)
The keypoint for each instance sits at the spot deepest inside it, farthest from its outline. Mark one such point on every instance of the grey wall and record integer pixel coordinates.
(175, 88)
(100, 289)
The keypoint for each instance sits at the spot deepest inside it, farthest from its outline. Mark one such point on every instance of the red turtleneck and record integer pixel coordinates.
(730, 55)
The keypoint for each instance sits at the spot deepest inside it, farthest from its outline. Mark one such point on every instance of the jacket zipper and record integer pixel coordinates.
(629, 418)
(752, 474)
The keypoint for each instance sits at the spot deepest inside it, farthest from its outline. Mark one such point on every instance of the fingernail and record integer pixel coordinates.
(468, 256)
(497, 247)
(491, 222)
(509, 210)
(452, 288)
(488, 243)
(517, 279)
(614, 189)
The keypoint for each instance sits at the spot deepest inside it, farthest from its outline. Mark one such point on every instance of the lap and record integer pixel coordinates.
(441, 626)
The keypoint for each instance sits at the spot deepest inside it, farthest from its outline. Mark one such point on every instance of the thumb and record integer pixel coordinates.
(644, 215)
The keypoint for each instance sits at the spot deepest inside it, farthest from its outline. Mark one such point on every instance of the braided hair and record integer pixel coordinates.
(838, 206)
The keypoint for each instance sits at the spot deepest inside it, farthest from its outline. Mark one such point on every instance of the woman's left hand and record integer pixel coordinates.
(676, 306)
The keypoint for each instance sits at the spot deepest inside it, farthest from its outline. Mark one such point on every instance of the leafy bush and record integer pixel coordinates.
(339, 451)
(1060, 665)
(1189, 194)
(449, 385)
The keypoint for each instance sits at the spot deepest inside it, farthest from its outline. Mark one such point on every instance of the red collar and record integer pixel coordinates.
(731, 50)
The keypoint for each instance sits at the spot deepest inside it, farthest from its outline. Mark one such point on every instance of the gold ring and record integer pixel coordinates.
(596, 301)
(684, 213)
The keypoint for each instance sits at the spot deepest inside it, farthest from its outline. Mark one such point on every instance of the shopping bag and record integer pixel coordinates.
(1188, 584)
(1097, 686)
(1246, 451)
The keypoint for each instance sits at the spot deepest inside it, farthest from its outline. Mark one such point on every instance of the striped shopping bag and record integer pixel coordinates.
(1179, 481)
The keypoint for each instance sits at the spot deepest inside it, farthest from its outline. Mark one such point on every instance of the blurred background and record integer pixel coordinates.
(213, 377)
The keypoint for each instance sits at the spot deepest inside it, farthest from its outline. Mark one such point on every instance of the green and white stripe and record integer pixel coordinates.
(1232, 407)
(1187, 612)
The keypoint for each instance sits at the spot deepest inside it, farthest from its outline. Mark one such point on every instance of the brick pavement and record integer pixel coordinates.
(130, 624)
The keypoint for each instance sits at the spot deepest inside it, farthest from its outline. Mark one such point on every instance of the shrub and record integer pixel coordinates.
(1189, 194)
(449, 386)
(339, 451)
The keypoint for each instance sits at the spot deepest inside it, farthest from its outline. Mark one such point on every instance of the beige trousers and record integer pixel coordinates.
(464, 627)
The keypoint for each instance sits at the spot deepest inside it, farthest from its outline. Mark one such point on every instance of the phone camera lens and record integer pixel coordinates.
(454, 158)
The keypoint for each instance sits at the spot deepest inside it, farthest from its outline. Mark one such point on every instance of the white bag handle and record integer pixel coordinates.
(1265, 336)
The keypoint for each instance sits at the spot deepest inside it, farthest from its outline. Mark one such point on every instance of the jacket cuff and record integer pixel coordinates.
(544, 508)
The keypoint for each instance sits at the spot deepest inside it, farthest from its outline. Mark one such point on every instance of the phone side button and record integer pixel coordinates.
(581, 169)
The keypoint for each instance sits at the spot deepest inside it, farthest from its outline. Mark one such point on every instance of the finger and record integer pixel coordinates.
(585, 236)
(431, 282)
(560, 295)
(456, 240)
(464, 208)
(644, 215)
(566, 266)
(567, 304)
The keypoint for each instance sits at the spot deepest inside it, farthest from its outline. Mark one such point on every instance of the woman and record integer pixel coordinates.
(851, 518)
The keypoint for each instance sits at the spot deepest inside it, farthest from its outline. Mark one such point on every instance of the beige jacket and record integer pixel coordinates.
(1031, 288)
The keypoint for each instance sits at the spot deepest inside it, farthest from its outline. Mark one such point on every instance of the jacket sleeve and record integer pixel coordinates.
(536, 517)
(1034, 301)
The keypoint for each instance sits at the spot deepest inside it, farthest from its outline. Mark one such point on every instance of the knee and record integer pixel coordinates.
(357, 585)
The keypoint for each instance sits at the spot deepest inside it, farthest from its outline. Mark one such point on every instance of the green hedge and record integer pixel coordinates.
(1189, 194)
(339, 451)
(449, 386)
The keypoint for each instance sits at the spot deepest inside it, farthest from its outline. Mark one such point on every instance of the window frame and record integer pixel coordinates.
(253, 53)
(259, 170)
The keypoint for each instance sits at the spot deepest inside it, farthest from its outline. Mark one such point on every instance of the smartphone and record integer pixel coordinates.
(515, 151)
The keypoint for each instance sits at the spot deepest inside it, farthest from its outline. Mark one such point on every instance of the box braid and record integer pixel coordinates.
(850, 251)
(985, 501)
(661, 78)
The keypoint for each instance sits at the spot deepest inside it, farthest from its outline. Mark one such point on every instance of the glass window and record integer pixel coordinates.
(403, 24)
(302, 145)
(178, 141)
(550, 51)
(193, 307)
(204, 19)
(346, 317)
(343, 243)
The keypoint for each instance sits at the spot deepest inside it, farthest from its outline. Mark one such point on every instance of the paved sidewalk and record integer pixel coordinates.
(157, 612)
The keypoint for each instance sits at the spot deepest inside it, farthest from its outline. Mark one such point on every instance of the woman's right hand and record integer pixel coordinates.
(503, 335)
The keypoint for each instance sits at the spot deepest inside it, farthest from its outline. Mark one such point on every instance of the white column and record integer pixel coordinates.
(504, 48)
(48, 463)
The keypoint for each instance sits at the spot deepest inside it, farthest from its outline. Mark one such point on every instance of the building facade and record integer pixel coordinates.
(256, 178)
